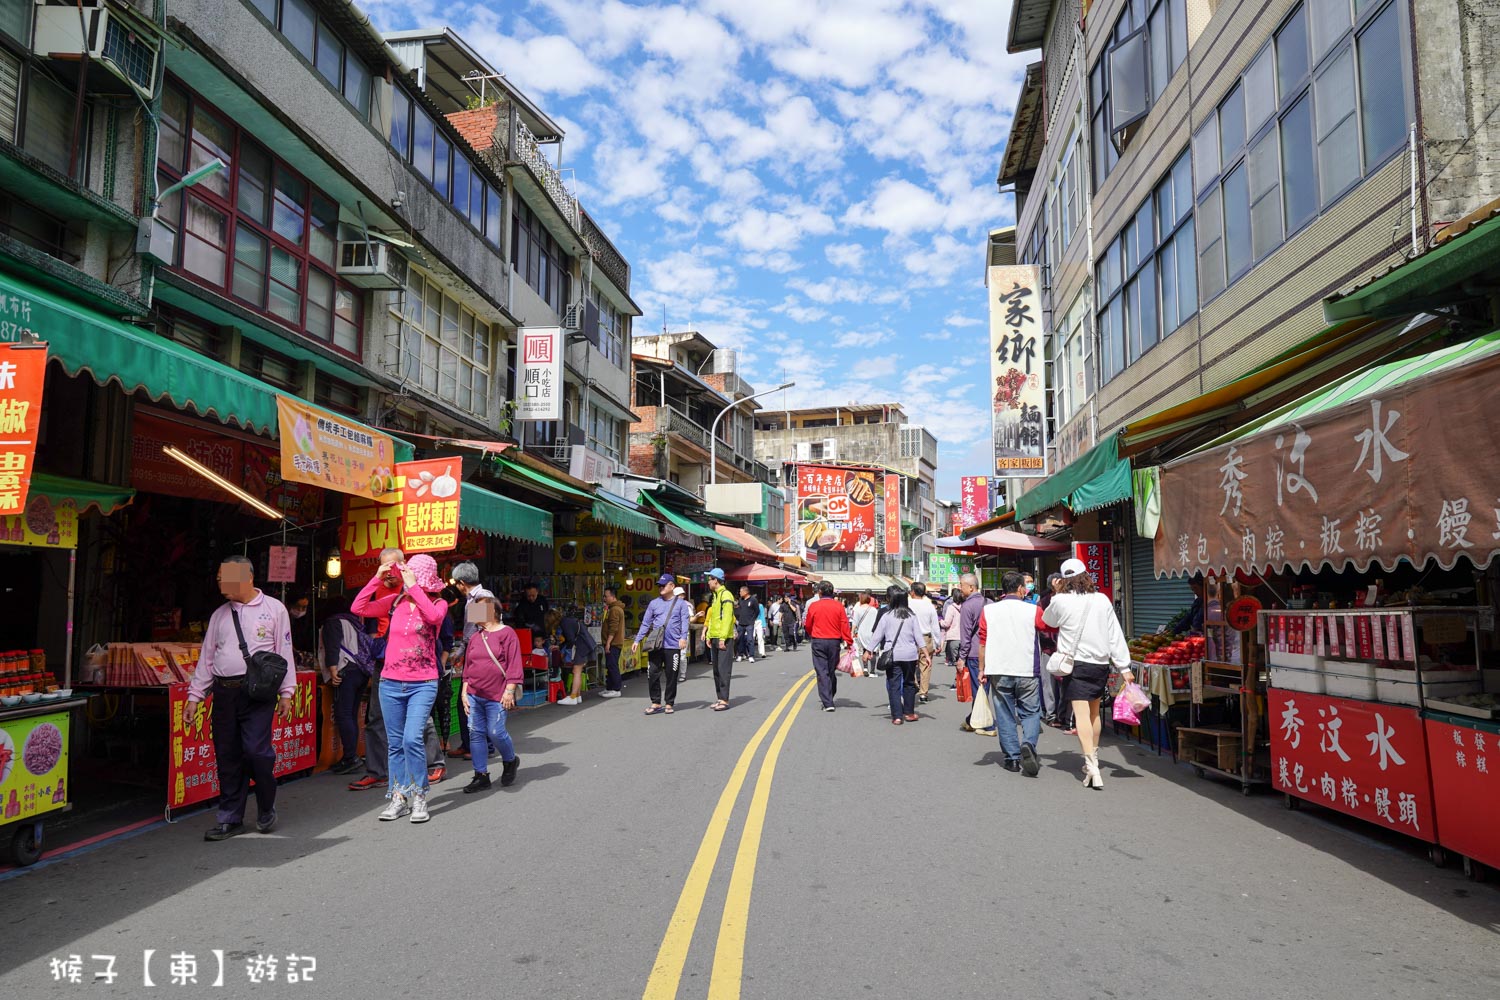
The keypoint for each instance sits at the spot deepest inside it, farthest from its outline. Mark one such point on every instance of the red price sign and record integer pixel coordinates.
(192, 768)
(1241, 614)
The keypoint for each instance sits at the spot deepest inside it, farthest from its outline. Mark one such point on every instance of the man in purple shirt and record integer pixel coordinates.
(242, 728)
(969, 613)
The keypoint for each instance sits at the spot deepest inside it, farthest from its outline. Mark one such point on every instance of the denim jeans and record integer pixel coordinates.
(486, 730)
(744, 640)
(612, 669)
(345, 705)
(407, 706)
(1016, 700)
(901, 687)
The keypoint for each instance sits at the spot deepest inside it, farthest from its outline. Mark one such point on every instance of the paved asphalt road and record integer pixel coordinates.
(891, 862)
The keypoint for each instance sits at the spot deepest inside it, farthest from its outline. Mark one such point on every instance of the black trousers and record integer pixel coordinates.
(825, 655)
(721, 654)
(661, 665)
(242, 751)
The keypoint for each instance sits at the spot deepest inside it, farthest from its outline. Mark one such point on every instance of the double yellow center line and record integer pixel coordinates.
(729, 955)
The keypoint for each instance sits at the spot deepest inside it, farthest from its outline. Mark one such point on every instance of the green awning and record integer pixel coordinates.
(551, 483)
(81, 339)
(626, 518)
(1423, 281)
(689, 525)
(84, 494)
(493, 514)
(1101, 462)
(1101, 491)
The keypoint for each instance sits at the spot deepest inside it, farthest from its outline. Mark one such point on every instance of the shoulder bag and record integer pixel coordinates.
(264, 671)
(1060, 664)
(886, 658)
(654, 639)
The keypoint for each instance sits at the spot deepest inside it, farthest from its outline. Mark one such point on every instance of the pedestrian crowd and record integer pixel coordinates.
(408, 636)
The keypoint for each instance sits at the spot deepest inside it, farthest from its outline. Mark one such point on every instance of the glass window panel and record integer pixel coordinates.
(412, 301)
(1291, 53)
(212, 139)
(482, 335)
(1260, 90)
(1382, 92)
(319, 305)
(1113, 347)
(289, 211)
(324, 241)
(1338, 145)
(421, 142)
(285, 286)
(1145, 231)
(1160, 52)
(330, 60)
(429, 365)
(1206, 151)
(451, 312)
(447, 375)
(205, 237)
(346, 319)
(441, 149)
(1110, 278)
(1299, 191)
(1237, 255)
(460, 196)
(1330, 19)
(1132, 322)
(1166, 264)
(1179, 31)
(433, 322)
(1127, 241)
(1166, 213)
(1148, 332)
(254, 195)
(1211, 242)
(250, 267)
(297, 21)
(401, 122)
(1130, 94)
(1187, 275)
(1265, 195)
(357, 84)
(171, 143)
(266, 7)
(478, 191)
(1182, 187)
(1231, 124)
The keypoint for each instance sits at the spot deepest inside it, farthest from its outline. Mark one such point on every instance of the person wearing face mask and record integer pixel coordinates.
(492, 680)
(304, 629)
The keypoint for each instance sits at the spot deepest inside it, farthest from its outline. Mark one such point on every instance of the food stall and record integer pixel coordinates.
(33, 769)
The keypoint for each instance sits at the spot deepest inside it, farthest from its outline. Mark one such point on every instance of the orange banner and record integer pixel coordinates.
(430, 497)
(322, 449)
(23, 369)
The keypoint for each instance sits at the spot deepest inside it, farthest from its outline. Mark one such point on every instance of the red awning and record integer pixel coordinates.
(761, 573)
(1005, 540)
(753, 546)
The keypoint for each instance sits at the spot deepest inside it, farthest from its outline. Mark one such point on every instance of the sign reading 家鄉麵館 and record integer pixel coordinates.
(541, 379)
(1018, 389)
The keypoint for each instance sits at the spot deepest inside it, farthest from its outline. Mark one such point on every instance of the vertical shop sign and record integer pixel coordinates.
(192, 770)
(1099, 557)
(368, 528)
(429, 498)
(974, 499)
(1464, 761)
(1018, 388)
(281, 564)
(1359, 757)
(891, 490)
(23, 370)
(322, 449)
(541, 374)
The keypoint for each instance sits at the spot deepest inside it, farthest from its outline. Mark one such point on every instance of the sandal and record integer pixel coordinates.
(897, 722)
(911, 718)
(669, 710)
(720, 706)
(653, 710)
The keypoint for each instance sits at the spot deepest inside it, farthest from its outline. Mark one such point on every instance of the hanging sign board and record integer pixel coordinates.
(541, 393)
(323, 449)
(1017, 360)
(281, 564)
(430, 499)
(23, 370)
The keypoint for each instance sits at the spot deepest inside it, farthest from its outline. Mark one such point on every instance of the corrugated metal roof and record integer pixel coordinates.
(1028, 25)
(1023, 150)
(1460, 251)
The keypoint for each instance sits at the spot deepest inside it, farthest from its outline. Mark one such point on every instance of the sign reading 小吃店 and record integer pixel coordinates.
(1018, 388)
(540, 394)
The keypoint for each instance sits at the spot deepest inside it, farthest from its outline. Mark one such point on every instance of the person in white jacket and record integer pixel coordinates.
(1088, 634)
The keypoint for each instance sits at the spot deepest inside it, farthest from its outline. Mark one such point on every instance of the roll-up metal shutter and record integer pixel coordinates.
(1153, 602)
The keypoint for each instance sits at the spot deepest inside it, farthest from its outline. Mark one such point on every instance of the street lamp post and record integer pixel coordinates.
(913, 543)
(713, 431)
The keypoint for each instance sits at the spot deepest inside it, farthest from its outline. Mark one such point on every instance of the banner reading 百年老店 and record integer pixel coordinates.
(1018, 389)
(836, 508)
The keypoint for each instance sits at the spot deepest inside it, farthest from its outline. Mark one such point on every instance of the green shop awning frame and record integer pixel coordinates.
(687, 524)
(526, 476)
(492, 514)
(620, 514)
(81, 339)
(102, 497)
(1098, 478)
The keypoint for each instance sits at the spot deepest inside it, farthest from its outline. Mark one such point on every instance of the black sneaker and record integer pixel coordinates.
(345, 766)
(922, 699)
(1029, 761)
(224, 831)
(478, 783)
(508, 771)
(266, 823)
(1011, 765)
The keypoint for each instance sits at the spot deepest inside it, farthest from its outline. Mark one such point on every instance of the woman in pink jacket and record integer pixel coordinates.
(409, 682)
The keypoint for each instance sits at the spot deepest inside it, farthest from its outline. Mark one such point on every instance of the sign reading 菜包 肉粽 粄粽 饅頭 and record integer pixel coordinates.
(1018, 390)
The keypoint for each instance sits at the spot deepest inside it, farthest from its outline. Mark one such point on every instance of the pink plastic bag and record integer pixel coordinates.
(1138, 698)
(1125, 711)
(846, 662)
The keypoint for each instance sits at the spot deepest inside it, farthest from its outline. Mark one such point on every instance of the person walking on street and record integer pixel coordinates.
(746, 614)
(347, 656)
(1008, 651)
(862, 624)
(409, 681)
(951, 619)
(578, 648)
(466, 582)
(1055, 688)
(787, 624)
(613, 632)
(254, 621)
(666, 648)
(1088, 633)
(828, 629)
(899, 632)
(927, 617)
(378, 611)
(968, 638)
(492, 679)
(719, 630)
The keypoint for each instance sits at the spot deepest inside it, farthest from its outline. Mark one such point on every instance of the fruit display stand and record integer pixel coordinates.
(1384, 714)
(1161, 662)
(33, 771)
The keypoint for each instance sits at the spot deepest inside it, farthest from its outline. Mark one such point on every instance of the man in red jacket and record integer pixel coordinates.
(827, 625)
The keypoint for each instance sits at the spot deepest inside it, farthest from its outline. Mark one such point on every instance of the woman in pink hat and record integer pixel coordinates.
(409, 682)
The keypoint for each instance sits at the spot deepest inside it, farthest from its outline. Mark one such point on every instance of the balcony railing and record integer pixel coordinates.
(606, 256)
(526, 150)
(671, 421)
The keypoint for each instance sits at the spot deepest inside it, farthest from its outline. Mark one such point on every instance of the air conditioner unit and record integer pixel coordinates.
(112, 37)
(573, 317)
(804, 451)
(831, 449)
(371, 265)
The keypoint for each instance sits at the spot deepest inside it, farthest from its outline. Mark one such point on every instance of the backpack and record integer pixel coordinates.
(364, 656)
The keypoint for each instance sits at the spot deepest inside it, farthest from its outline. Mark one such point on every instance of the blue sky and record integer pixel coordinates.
(809, 181)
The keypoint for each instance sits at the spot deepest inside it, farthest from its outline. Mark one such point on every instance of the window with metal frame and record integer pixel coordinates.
(447, 168)
(258, 231)
(315, 40)
(614, 328)
(445, 347)
(1320, 107)
(538, 258)
(1146, 46)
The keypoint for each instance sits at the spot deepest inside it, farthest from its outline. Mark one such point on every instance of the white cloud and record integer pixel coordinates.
(940, 335)
(872, 368)
(790, 308)
(847, 256)
(757, 229)
(898, 206)
(959, 319)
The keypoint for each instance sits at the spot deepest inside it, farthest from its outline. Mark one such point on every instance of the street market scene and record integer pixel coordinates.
(580, 474)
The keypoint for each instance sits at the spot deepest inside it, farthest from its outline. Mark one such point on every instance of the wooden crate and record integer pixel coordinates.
(1218, 748)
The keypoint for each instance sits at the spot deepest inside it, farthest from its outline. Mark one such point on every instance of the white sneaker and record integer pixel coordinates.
(606, 693)
(419, 808)
(396, 808)
(750, 659)
(570, 701)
